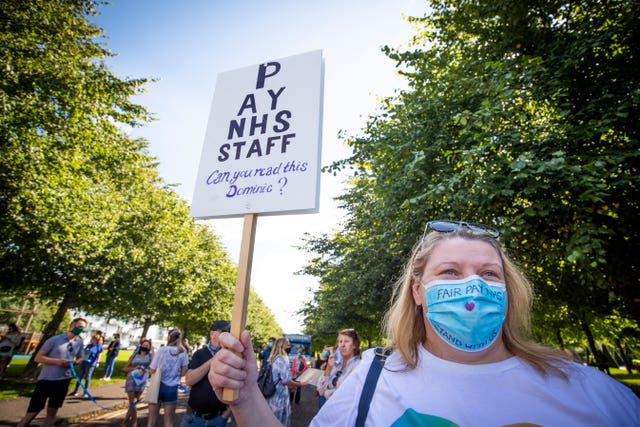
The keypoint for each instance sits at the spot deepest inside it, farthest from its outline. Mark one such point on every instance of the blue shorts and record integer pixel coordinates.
(168, 393)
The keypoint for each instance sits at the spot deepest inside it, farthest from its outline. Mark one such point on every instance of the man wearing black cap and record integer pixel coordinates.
(204, 409)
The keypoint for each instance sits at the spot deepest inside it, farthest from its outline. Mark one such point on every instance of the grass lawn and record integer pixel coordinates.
(13, 386)
(630, 380)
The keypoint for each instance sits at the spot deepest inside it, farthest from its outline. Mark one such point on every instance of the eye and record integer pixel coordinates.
(491, 274)
(449, 273)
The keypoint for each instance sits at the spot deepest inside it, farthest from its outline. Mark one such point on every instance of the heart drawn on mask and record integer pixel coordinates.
(469, 306)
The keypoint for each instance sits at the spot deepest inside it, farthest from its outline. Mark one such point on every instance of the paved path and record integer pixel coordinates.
(110, 395)
(81, 412)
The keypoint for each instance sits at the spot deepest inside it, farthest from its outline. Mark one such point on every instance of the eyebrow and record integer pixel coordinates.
(457, 264)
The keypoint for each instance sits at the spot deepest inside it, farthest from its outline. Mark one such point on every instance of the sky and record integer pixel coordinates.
(185, 45)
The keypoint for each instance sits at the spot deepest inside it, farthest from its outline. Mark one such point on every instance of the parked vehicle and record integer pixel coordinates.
(297, 341)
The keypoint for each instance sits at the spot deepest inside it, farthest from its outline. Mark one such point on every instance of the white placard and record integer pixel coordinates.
(262, 147)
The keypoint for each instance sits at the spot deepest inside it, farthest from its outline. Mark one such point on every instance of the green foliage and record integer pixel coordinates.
(260, 322)
(66, 164)
(85, 220)
(521, 115)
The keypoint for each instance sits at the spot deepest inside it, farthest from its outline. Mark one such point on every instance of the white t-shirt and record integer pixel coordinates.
(172, 362)
(442, 393)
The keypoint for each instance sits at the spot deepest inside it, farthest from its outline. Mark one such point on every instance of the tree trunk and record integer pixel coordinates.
(627, 362)
(587, 331)
(560, 340)
(50, 330)
(145, 327)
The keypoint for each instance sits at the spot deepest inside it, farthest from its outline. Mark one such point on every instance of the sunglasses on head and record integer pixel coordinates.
(446, 226)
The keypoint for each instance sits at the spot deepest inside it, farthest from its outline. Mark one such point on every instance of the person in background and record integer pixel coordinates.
(298, 366)
(8, 345)
(137, 368)
(90, 360)
(137, 349)
(336, 373)
(321, 363)
(204, 409)
(187, 346)
(56, 354)
(264, 354)
(112, 353)
(173, 360)
(461, 354)
(281, 373)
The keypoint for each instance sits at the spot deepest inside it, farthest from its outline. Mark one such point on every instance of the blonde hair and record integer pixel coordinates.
(404, 322)
(278, 349)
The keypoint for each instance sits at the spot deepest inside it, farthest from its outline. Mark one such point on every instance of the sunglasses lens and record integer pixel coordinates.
(483, 230)
(449, 226)
(443, 226)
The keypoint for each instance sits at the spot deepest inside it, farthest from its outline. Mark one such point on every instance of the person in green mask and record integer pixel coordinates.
(56, 354)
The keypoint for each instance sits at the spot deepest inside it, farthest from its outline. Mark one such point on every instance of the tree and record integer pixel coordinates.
(521, 115)
(85, 220)
(260, 322)
(65, 162)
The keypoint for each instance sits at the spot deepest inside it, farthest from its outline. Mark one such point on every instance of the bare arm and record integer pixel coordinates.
(42, 357)
(235, 367)
(194, 376)
(128, 367)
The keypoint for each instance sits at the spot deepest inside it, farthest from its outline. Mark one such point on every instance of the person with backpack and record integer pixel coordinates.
(460, 352)
(281, 374)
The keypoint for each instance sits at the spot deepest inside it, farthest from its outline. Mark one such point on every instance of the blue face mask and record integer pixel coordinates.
(468, 313)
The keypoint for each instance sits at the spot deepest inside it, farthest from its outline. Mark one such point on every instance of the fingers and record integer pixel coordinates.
(249, 355)
(230, 342)
(234, 365)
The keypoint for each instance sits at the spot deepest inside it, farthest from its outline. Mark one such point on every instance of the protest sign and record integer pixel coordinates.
(261, 152)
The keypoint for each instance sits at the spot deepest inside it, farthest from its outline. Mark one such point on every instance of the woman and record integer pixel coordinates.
(348, 344)
(279, 360)
(112, 354)
(90, 361)
(173, 361)
(8, 345)
(460, 351)
(138, 373)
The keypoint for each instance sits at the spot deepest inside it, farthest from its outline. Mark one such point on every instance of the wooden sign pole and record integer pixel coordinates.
(241, 299)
